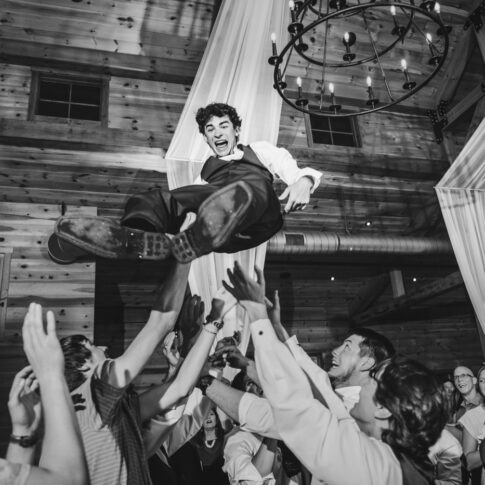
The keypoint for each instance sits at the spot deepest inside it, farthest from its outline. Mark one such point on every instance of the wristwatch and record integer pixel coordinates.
(24, 441)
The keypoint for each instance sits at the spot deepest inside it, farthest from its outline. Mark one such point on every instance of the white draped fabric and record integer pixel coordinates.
(461, 193)
(234, 70)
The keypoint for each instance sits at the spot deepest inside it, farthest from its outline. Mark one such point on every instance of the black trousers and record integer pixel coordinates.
(165, 211)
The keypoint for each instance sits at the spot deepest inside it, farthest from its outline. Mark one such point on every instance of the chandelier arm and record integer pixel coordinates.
(418, 28)
(324, 65)
(383, 72)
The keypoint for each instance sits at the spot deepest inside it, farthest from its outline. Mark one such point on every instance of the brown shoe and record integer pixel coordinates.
(107, 238)
(217, 220)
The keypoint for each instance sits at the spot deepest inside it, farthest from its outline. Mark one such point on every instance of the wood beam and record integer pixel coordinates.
(98, 62)
(397, 283)
(480, 36)
(426, 292)
(478, 116)
(455, 67)
(368, 294)
(466, 103)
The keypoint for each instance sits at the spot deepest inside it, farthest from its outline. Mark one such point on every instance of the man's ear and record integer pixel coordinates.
(237, 130)
(367, 363)
(381, 412)
(474, 381)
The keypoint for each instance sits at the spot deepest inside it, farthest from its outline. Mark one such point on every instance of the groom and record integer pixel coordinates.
(233, 197)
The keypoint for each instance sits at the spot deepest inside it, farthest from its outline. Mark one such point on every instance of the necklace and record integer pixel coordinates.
(212, 443)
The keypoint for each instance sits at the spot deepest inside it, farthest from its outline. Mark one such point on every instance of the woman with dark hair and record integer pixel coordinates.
(209, 443)
(474, 430)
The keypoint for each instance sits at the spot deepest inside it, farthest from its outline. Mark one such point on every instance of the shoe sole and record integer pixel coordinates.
(217, 218)
(106, 238)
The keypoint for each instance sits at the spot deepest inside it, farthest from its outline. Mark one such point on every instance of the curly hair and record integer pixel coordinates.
(416, 401)
(216, 109)
(75, 356)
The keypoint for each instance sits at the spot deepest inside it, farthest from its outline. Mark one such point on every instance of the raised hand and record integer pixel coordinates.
(24, 403)
(169, 350)
(274, 313)
(42, 348)
(191, 319)
(245, 288)
(298, 194)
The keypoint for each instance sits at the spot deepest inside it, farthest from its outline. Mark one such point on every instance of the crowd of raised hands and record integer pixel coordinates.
(282, 419)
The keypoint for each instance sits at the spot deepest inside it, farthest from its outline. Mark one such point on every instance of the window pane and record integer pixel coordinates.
(54, 91)
(48, 108)
(84, 93)
(341, 124)
(80, 112)
(319, 122)
(321, 137)
(342, 139)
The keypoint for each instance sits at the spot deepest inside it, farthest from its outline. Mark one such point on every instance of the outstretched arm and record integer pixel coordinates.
(62, 460)
(333, 449)
(168, 301)
(161, 398)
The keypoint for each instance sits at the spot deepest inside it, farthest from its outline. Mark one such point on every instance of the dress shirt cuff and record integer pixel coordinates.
(315, 175)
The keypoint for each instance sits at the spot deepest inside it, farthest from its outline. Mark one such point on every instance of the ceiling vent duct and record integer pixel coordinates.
(313, 242)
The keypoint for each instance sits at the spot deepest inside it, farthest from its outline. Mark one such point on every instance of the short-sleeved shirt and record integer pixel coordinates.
(110, 424)
(13, 473)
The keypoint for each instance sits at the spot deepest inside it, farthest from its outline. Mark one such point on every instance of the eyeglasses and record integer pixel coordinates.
(462, 376)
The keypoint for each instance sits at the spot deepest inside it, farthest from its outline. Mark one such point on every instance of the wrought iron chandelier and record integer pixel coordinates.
(367, 49)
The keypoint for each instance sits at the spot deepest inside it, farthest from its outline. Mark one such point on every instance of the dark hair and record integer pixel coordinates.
(216, 109)
(374, 344)
(75, 356)
(414, 397)
(199, 438)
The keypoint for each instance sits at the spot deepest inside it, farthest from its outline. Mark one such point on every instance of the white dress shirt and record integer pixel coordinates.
(278, 161)
(328, 443)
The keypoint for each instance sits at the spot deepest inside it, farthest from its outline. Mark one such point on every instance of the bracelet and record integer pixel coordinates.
(24, 441)
(217, 323)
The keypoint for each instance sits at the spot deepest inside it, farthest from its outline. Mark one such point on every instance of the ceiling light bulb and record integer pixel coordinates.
(346, 37)
(404, 64)
(369, 81)
(331, 88)
(291, 4)
(429, 37)
(273, 37)
(298, 81)
(437, 8)
(393, 10)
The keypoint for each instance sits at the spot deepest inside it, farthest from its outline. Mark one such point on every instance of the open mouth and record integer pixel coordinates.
(221, 145)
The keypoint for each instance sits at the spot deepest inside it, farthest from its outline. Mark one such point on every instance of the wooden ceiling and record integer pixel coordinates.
(151, 50)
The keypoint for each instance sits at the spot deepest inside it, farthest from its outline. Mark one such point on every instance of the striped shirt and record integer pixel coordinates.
(110, 424)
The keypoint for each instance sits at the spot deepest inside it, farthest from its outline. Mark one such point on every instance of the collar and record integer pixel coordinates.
(236, 155)
(350, 395)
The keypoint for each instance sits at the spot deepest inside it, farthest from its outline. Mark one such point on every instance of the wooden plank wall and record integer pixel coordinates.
(66, 290)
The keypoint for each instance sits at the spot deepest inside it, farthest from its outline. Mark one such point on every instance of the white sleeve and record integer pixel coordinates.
(322, 387)
(281, 163)
(256, 416)
(239, 451)
(333, 450)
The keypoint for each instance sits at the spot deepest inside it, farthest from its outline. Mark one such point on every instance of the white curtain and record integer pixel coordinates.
(461, 193)
(234, 70)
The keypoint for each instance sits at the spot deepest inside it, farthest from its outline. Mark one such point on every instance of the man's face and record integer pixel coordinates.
(464, 379)
(98, 353)
(220, 135)
(346, 359)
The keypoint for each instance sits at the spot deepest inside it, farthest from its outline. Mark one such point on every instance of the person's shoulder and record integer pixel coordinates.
(263, 145)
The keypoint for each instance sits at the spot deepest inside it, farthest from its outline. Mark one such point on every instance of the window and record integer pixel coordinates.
(332, 131)
(68, 97)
